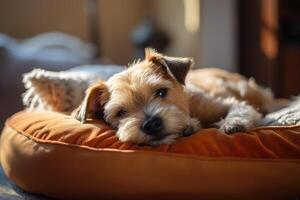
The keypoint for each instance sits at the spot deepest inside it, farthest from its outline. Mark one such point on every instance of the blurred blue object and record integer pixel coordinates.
(52, 46)
(148, 34)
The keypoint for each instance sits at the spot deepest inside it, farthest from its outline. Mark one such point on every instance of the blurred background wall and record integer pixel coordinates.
(185, 21)
(115, 21)
(218, 34)
(23, 19)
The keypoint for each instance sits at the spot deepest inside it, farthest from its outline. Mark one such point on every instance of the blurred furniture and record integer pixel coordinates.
(52, 51)
(92, 7)
(269, 43)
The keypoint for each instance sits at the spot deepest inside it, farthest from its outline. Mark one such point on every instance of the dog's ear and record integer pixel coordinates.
(177, 67)
(92, 105)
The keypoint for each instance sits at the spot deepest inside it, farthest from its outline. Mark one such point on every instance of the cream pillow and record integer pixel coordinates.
(62, 91)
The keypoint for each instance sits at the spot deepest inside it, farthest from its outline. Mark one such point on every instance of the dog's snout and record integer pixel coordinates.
(152, 125)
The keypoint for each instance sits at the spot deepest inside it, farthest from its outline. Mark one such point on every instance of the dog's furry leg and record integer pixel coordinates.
(240, 117)
(229, 114)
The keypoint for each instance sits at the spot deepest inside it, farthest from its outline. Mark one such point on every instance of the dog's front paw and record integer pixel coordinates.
(188, 131)
(233, 128)
(193, 126)
(234, 125)
(170, 139)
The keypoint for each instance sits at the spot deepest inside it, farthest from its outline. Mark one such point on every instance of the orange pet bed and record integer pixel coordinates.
(53, 154)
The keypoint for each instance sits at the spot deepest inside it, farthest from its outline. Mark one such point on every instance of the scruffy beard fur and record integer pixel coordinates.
(175, 121)
(133, 90)
(155, 87)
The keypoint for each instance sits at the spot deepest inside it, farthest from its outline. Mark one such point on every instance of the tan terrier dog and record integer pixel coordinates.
(149, 102)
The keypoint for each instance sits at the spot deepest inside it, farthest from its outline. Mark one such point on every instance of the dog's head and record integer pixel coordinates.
(146, 102)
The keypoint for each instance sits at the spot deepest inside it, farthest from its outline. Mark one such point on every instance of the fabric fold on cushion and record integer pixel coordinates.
(265, 142)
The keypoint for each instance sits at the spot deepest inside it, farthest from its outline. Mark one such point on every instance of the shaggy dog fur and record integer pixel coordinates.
(157, 100)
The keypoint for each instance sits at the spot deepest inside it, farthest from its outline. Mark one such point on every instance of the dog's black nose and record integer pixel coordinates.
(152, 125)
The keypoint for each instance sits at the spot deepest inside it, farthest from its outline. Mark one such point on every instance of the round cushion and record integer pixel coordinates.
(55, 155)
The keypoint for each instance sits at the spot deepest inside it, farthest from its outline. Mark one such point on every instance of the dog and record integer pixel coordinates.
(158, 99)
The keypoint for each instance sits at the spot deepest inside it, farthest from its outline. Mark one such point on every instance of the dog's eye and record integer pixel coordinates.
(121, 113)
(161, 92)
